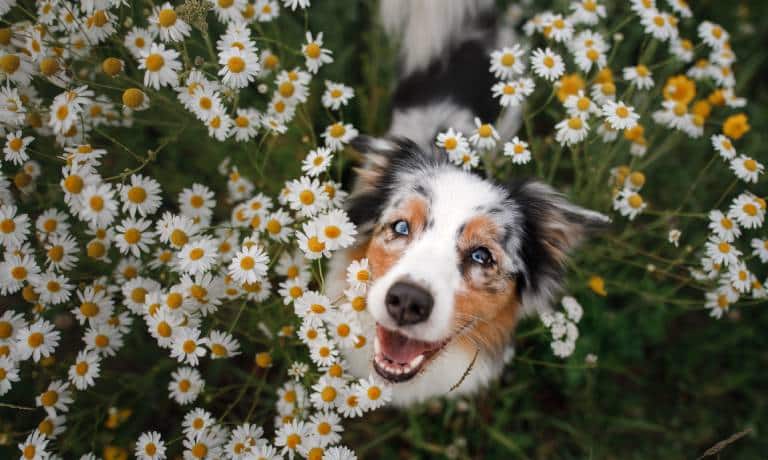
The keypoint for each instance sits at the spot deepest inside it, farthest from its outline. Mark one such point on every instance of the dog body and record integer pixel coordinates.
(455, 258)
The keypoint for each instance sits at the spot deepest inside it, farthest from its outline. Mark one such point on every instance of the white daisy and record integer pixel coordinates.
(619, 115)
(85, 369)
(336, 95)
(187, 346)
(161, 66)
(171, 28)
(507, 62)
(518, 151)
(238, 67)
(547, 64)
(150, 446)
(56, 398)
(198, 256)
(746, 168)
(571, 131)
(314, 53)
(141, 195)
(186, 385)
(249, 265)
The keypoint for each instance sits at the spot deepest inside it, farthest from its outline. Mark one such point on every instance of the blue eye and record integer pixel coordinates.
(481, 256)
(401, 227)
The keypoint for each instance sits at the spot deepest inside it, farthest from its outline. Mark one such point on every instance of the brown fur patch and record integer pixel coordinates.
(487, 296)
(384, 249)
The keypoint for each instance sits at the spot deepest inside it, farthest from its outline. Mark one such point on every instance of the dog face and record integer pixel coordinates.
(455, 257)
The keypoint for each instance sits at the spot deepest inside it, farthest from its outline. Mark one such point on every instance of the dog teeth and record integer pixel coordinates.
(399, 369)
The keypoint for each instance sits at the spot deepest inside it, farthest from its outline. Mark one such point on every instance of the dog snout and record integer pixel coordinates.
(408, 303)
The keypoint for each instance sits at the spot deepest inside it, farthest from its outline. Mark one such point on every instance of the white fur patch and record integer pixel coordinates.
(427, 27)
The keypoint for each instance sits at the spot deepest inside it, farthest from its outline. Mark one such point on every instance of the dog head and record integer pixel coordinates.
(455, 257)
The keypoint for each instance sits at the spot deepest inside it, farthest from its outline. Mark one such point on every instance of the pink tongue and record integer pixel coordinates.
(399, 348)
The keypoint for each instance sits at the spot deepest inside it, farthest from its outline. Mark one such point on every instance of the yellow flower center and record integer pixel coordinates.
(154, 62)
(196, 254)
(132, 236)
(133, 98)
(166, 17)
(247, 263)
(328, 394)
(575, 123)
(9, 63)
(236, 64)
(49, 398)
(315, 245)
(81, 368)
(97, 203)
(549, 61)
(313, 50)
(137, 195)
(374, 393)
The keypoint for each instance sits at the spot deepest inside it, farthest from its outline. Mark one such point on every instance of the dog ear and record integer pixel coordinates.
(552, 227)
(383, 160)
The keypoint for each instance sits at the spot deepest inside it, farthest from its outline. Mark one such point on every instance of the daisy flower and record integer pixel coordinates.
(222, 345)
(198, 256)
(571, 131)
(325, 427)
(335, 230)
(246, 124)
(588, 56)
(187, 346)
(713, 34)
(720, 300)
(219, 125)
(760, 249)
(640, 76)
(266, 10)
(9, 373)
(619, 115)
(293, 4)
(723, 227)
(723, 146)
(512, 93)
(238, 67)
(98, 205)
(85, 369)
(56, 399)
(52, 222)
(323, 352)
(740, 277)
(228, 11)
(291, 436)
(15, 271)
(580, 105)
(547, 64)
(150, 446)
(350, 404)
(338, 134)
(629, 203)
(133, 236)
(163, 326)
(61, 252)
(373, 395)
(747, 210)
(203, 445)
(16, 148)
(344, 329)
(17, 67)
(161, 66)
(53, 288)
(197, 202)
(141, 195)
(507, 62)
(306, 196)
(656, 25)
(103, 338)
(186, 385)
(359, 274)
(468, 161)
(746, 168)
(14, 227)
(317, 161)
(518, 151)
(170, 27)
(485, 135)
(33, 447)
(278, 224)
(314, 53)
(249, 265)
(336, 95)
(327, 392)
(454, 143)
(587, 12)
(721, 252)
(313, 307)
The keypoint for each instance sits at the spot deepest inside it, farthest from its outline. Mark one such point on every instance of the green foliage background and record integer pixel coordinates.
(670, 383)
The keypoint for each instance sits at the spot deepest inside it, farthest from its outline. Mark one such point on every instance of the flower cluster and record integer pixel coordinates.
(171, 268)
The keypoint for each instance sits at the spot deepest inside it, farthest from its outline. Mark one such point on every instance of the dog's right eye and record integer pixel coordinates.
(401, 228)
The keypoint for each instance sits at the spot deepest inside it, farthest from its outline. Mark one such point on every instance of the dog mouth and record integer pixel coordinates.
(398, 358)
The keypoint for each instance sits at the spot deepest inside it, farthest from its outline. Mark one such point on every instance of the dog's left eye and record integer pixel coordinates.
(401, 228)
(481, 256)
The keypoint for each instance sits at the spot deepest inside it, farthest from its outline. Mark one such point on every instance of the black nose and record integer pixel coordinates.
(408, 303)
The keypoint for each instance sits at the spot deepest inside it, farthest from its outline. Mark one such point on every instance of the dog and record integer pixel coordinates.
(456, 258)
